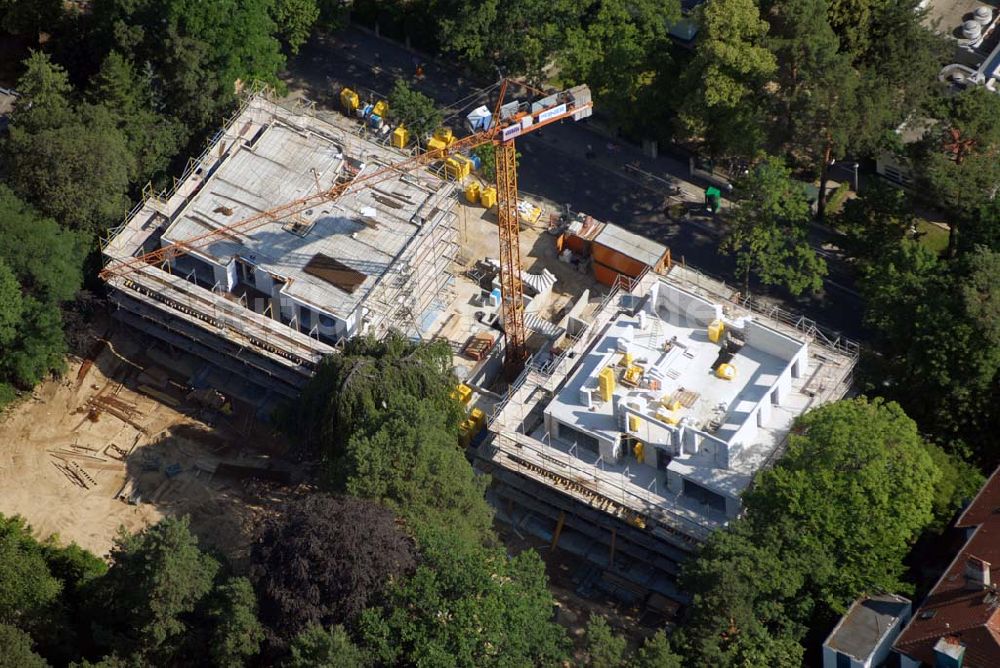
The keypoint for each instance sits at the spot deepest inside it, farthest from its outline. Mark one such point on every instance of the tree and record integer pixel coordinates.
(317, 647)
(22, 17)
(17, 649)
(201, 51)
(845, 460)
(46, 262)
(237, 633)
(11, 308)
(294, 20)
(323, 560)
(72, 164)
(614, 47)
(604, 648)
(134, 102)
(156, 581)
(414, 110)
(767, 231)
(412, 464)
(958, 161)
(497, 610)
(513, 36)
(27, 589)
(726, 79)
(657, 652)
(875, 223)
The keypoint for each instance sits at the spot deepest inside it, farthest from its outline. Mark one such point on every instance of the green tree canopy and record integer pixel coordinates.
(133, 102)
(157, 579)
(46, 263)
(317, 647)
(237, 634)
(417, 112)
(17, 649)
(294, 20)
(497, 608)
(767, 231)
(723, 110)
(72, 163)
(604, 648)
(800, 555)
(27, 588)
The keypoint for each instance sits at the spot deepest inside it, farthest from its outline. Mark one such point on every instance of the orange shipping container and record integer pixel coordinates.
(578, 245)
(617, 261)
(608, 276)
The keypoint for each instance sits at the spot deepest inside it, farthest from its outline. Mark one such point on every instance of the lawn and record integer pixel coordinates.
(933, 237)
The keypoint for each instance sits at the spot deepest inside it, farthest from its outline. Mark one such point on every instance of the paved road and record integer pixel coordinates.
(555, 164)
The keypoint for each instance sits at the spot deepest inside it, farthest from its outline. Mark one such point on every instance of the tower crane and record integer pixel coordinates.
(508, 122)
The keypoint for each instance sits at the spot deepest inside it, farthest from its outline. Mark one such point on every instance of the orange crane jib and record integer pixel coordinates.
(508, 122)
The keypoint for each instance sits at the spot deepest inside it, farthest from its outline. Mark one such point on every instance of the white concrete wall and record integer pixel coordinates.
(225, 276)
(770, 341)
(263, 281)
(683, 304)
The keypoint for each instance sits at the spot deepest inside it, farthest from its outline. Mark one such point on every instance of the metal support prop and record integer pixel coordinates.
(559, 528)
(511, 290)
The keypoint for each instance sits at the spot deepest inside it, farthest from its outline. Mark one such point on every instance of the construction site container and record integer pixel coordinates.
(715, 330)
(606, 275)
(349, 101)
(479, 119)
(488, 198)
(381, 108)
(606, 383)
(626, 252)
(400, 137)
(725, 371)
(472, 192)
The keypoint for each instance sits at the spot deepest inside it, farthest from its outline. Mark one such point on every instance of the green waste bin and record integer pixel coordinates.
(713, 199)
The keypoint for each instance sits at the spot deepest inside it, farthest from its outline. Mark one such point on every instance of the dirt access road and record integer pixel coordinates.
(62, 463)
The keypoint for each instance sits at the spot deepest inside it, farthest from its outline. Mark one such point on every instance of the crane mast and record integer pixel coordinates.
(511, 289)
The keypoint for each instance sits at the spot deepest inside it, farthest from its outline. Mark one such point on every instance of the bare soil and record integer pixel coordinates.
(62, 467)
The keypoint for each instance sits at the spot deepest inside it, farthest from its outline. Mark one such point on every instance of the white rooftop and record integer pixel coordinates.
(284, 163)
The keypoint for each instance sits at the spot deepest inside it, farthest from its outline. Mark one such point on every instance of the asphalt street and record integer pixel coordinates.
(556, 165)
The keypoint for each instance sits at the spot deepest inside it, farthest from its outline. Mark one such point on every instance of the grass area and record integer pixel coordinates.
(933, 237)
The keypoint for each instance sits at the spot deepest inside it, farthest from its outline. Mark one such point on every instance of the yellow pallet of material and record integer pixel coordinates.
(381, 108)
(626, 360)
(462, 394)
(715, 330)
(668, 416)
(633, 423)
(478, 417)
(670, 404)
(725, 371)
(445, 136)
(472, 192)
(349, 100)
(400, 137)
(639, 450)
(606, 383)
(632, 375)
(488, 198)
(457, 167)
(435, 144)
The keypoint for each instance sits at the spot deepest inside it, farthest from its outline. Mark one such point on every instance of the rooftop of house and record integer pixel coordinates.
(963, 608)
(7, 98)
(866, 623)
(329, 256)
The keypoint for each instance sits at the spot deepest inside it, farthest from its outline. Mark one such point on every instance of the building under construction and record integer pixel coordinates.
(634, 438)
(269, 302)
